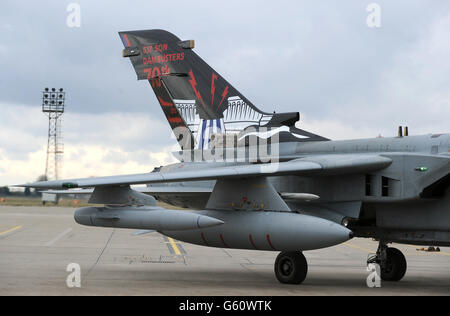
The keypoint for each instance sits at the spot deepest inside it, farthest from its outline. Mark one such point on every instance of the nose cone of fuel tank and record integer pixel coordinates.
(83, 215)
(332, 234)
(207, 221)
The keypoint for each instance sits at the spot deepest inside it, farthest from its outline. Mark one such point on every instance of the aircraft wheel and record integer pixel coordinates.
(291, 267)
(394, 268)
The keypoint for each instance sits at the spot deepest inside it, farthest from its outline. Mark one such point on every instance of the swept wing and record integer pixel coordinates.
(314, 166)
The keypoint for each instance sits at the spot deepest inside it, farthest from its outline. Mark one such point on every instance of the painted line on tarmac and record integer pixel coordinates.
(358, 247)
(61, 235)
(10, 230)
(174, 247)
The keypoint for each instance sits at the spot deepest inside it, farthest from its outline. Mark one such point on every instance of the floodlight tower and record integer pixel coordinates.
(53, 107)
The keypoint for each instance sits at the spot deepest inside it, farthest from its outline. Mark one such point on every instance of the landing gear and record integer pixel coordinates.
(291, 267)
(392, 262)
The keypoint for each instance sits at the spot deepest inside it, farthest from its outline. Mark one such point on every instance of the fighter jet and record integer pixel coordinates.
(250, 179)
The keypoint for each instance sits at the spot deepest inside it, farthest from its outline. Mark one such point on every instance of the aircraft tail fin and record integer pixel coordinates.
(196, 100)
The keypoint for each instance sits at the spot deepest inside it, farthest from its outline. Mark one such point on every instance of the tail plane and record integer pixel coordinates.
(196, 100)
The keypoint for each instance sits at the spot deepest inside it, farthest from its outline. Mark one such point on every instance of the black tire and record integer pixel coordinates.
(291, 267)
(395, 267)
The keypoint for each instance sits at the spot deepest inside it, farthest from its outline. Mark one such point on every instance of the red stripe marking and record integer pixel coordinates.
(164, 103)
(270, 243)
(213, 87)
(193, 83)
(224, 94)
(223, 241)
(126, 39)
(204, 239)
(251, 241)
(174, 120)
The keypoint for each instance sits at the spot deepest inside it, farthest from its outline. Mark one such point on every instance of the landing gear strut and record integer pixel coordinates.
(291, 267)
(392, 262)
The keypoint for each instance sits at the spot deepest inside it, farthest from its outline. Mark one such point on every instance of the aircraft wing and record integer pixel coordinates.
(312, 165)
(179, 190)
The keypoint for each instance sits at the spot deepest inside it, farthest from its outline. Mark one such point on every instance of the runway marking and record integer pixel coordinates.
(10, 230)
(54, 240)
(174, 246)
(358, 247)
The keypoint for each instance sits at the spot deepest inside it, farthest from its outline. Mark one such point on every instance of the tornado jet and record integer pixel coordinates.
(250, 179)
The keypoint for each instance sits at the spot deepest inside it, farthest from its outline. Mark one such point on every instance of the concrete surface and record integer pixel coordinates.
(37, 244)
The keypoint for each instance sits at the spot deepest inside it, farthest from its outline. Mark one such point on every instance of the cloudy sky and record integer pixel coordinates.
(317, 57)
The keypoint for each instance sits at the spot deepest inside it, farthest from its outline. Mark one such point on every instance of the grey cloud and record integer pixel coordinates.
(132, 131)
(318, 58)
(24, 130)
(141, 157)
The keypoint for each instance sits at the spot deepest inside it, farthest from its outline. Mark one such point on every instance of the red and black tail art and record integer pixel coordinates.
(192, 95)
